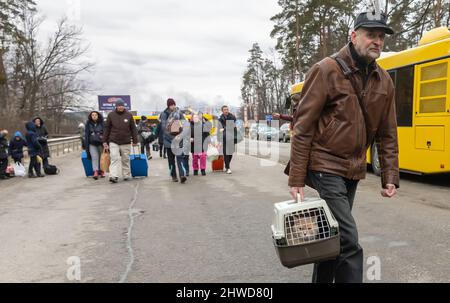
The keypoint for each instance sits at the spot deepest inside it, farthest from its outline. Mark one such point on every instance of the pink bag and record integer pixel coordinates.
(10, 171)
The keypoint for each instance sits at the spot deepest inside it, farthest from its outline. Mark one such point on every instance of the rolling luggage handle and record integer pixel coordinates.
(133, 149)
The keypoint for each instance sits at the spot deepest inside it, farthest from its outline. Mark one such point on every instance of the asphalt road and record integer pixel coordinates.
(211, 229)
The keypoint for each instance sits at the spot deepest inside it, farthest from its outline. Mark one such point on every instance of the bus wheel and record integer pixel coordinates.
(376, 167)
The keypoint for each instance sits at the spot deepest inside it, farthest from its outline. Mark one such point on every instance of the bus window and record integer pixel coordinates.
(404, 89)
(433, 87)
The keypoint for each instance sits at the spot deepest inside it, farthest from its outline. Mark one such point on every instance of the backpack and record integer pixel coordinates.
(51, 170)
(174, 126)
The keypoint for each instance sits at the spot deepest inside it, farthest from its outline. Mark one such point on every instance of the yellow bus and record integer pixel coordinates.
(152, 119)
(421, 77)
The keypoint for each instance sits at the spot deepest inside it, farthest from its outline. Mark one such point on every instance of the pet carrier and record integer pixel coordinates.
(305, 232)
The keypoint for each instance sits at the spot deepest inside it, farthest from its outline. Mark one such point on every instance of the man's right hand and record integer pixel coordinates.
(297, 190)
(276, 115)
(105, 146)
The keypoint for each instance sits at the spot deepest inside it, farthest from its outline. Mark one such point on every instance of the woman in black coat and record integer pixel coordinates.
(42, 136)
(93, 139)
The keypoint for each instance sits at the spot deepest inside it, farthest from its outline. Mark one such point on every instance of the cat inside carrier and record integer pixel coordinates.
(305, 232)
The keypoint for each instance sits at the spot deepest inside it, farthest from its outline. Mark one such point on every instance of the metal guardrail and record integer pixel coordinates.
(61, 146)
(64, 145)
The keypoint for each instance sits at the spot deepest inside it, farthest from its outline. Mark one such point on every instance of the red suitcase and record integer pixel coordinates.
(218, 165)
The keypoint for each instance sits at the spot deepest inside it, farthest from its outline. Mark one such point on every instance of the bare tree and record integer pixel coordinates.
(62, 59)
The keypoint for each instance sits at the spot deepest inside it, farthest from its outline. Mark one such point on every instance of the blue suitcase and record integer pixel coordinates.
(139, 165)
(87, 164)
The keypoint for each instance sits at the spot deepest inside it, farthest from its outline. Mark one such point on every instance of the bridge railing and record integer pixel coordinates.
(62, 146)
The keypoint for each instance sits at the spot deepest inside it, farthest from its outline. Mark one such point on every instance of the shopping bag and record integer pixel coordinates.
(212, 153)
(146, 135)
(19, 169)
(105, 161)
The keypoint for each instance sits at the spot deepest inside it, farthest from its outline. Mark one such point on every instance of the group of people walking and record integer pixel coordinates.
(182, 137)
(175, 137)
(36, 141)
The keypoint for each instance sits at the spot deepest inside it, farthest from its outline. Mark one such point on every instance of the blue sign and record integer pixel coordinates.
(108, 103)
(269, 118)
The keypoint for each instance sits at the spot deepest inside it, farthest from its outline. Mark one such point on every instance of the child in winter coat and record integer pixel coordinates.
(16, 146)
(200, 139)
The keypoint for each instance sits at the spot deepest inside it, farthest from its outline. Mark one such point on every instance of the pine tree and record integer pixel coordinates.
(10, 11)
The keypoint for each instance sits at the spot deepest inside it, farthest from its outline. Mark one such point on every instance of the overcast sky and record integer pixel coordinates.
(151, 50)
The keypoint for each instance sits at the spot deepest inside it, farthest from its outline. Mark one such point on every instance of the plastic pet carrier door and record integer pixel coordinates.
(305, 232)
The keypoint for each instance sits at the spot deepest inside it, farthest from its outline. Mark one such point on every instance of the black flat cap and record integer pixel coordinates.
(373, 21)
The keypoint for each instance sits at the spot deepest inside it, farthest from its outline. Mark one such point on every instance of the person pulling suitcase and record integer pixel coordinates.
(120, 131)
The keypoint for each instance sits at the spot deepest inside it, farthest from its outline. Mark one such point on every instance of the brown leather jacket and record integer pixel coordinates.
(329, 126)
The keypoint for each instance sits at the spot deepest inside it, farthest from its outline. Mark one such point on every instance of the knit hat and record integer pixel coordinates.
(120, 102)
(170, 102)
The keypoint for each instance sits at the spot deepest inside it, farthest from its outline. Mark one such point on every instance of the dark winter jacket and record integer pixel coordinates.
(120, 128)
(42, 134)
(16, 146)
(34, 147)
(93, 132)
(200, 128)
(177, 115)
(225, 123)
(159, 134)
(3, 147)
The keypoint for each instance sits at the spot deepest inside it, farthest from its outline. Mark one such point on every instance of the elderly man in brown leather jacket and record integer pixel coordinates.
(337, 119)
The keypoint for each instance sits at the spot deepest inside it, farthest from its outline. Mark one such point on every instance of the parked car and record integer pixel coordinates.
(267, 133)
(285, 133)
(253, 132)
